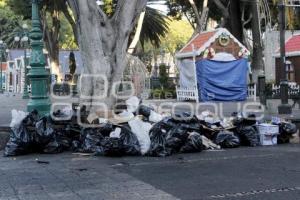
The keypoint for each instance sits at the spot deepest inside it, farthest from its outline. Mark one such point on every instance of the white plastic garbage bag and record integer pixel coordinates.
(141, 130)
(116, 133)
(67, 111)
(155, 117)
(17, 117)
(132, 104)
(208, 144)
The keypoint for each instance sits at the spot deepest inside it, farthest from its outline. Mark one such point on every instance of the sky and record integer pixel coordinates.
(159, 5)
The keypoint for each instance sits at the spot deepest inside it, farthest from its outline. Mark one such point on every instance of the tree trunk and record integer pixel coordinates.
(51, 37)
(236, 27)
(257, 58)
(103, 45)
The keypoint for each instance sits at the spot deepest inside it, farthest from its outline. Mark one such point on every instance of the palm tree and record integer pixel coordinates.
(152, 26)
(155, 26)
(8, 26)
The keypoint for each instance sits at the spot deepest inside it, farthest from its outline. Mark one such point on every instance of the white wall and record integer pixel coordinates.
(272, 44)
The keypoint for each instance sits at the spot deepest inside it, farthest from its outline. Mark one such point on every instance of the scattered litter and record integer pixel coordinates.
(42, 161)
(82, 169)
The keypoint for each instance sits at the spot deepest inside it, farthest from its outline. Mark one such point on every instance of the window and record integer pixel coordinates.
(290, 72)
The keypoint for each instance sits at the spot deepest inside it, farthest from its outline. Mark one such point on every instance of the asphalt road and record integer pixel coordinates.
(264, 173)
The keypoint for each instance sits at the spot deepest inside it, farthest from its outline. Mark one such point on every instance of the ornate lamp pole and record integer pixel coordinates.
(22, 37)
(3, 52)
(284, 107)
(38, 75)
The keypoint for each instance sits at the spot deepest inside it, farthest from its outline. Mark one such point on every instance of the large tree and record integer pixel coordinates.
(103, 41)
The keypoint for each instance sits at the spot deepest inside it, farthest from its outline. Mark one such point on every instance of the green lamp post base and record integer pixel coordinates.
(41, 105)
(25, 95)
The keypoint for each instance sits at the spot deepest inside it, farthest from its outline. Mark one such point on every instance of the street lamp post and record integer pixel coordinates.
(284, 107)
(38, 75)
(22, 37)
(2, 55)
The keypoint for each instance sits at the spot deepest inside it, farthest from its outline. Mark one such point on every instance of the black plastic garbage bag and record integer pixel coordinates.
(144, 110)
(91, 140)
(130, 144)
(158, 143)
(227, 139)
(111, 147)
(106, 129)
(239, 120)
(21, 139)
(44, 131)
(20, 142)
(286, 130)
(59, 143)
(192, 144)
(176, 138)
(185, 117)
(248, 136)
(75, 146)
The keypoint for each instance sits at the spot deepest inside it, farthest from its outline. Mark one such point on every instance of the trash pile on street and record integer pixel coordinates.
(138, 130)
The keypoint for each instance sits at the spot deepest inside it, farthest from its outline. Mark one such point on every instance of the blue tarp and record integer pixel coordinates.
(222, 81)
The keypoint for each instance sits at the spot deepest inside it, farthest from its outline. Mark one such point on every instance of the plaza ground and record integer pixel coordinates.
(265, 173)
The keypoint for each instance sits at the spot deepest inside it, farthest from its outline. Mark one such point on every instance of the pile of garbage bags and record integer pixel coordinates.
(139, 130)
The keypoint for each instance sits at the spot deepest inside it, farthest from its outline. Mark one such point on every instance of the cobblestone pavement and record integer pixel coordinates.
(265, 173)
(69, 177)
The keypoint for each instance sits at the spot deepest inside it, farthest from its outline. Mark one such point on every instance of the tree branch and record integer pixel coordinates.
(127, 13)
(70, 20)
(189, 20)
(223, 9)
(196, 11)
(73, 4)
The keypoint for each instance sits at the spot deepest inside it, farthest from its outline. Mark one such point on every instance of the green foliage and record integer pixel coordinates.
(179, 34)
(22, 8)
(66, 35)
(163, 93)
(9, 23)
(155, 26)
(180, 9)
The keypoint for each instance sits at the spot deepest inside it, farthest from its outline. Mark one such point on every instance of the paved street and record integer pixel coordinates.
(265, 173)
